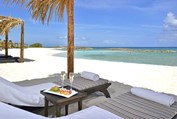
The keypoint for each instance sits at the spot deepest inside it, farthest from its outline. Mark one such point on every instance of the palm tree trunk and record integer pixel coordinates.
(70, 49)
(22, 43)
(6, 43)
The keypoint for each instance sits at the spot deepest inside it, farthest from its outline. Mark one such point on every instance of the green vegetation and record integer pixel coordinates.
(12, 44)
(36, 45)
(2, 44)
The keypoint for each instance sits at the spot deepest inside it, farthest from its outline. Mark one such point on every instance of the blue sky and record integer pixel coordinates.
(104, 23)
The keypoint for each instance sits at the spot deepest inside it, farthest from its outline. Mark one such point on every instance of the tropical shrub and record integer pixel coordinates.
(38, 45)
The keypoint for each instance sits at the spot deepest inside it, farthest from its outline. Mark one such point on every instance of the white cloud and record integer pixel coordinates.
(170, 21)
(81, 41)
(62, 37)
(83, 38)
(170, 28)
(168, 37)
(109, 41)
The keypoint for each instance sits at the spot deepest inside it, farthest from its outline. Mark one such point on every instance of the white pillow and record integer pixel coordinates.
(161, 98)
(90, 75)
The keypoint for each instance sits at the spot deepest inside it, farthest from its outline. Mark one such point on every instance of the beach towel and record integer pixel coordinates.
(22, 96)
(153, 96)
(10, 112)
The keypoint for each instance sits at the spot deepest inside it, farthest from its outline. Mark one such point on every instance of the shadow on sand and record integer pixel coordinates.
(11, 59)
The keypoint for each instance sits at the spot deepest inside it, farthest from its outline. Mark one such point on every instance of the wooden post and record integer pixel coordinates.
(70, 49)
(6, 43)
(22, 43)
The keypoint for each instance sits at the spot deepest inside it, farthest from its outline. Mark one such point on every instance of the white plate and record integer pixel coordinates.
(56, 93)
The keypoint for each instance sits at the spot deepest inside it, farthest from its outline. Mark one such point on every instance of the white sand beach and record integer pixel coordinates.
(155, 77)
(123, 76)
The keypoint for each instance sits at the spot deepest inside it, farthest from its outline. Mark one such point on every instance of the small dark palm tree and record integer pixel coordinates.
(44, 10)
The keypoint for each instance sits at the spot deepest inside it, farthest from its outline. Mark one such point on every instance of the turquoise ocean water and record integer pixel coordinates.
(157, 56)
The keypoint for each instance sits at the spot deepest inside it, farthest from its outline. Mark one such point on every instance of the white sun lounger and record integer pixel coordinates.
(22, 96)
(94, 112)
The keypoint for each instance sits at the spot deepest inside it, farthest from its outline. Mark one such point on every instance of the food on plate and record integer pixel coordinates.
(59, 90)
(55, 89)
(65, 91)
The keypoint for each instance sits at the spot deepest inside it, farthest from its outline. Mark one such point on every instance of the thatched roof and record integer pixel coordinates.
(7, 23)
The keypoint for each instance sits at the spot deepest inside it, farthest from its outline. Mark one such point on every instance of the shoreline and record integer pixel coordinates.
(156, 77)
(136, 56)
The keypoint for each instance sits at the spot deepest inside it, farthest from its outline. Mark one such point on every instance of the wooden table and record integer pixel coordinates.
(60, 101)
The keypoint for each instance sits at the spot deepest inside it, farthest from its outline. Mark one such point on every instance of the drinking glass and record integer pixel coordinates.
(71, 78)
(62, 76)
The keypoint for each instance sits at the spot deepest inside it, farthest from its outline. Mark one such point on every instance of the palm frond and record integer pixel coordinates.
(43, 10)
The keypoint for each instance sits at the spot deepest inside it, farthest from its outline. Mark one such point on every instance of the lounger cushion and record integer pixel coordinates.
(22, 96)
(153, 96)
